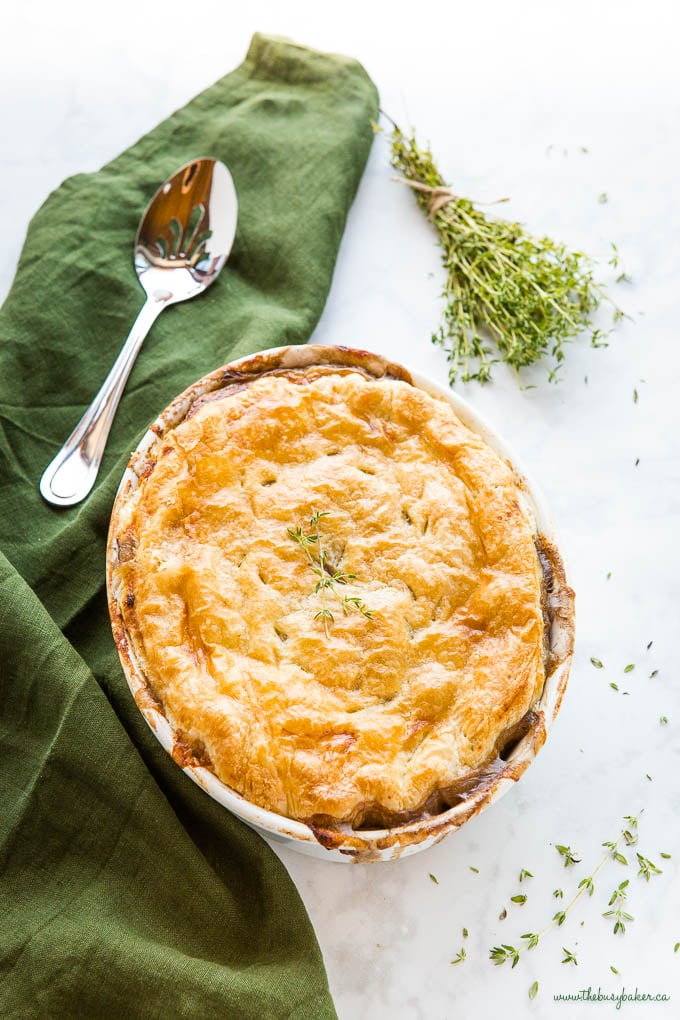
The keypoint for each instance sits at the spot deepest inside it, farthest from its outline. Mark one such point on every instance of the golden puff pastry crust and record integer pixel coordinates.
(373, 716)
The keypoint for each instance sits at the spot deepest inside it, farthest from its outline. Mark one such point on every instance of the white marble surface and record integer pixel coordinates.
(507, 94)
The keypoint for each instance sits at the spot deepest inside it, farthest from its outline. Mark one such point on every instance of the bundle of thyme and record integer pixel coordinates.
(509, 296)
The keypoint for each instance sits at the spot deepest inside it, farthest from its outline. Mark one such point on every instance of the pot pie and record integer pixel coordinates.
(333, 590)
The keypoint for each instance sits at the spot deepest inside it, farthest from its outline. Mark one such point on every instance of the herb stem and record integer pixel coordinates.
(328, 575)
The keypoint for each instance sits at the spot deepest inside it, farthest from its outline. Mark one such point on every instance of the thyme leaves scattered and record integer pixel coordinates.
(568, 854)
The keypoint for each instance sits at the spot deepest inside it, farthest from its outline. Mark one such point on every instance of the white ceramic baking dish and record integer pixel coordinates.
(347, 844)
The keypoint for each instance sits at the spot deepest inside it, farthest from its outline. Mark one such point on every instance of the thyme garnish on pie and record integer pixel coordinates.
(328, 576)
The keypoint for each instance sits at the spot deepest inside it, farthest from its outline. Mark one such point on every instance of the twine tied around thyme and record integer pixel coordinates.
(439, 196)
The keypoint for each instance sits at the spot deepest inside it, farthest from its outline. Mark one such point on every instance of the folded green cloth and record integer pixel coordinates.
(125, 890)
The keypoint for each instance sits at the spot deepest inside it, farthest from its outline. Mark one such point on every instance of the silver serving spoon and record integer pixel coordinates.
(181, 245)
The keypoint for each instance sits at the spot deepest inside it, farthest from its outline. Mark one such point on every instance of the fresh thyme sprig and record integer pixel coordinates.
(501, 954)
(616, 853)
(568, 854)
(328, 576)
(647, 868)
(618, 898)
(509, 296)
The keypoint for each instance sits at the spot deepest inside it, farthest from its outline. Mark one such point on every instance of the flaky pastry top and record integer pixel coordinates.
(360, 716)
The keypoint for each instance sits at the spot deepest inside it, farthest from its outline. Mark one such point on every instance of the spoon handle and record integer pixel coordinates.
(70, 476)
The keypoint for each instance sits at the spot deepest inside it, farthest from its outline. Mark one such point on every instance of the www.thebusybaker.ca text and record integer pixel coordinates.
(589, 995)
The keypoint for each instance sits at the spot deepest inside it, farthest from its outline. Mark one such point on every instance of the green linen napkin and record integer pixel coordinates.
(125, 890)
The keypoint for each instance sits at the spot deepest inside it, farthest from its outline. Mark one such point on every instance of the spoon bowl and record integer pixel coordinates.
(187, 230)
(184, 239)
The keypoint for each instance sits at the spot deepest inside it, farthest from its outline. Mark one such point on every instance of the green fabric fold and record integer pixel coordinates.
(125, 890)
